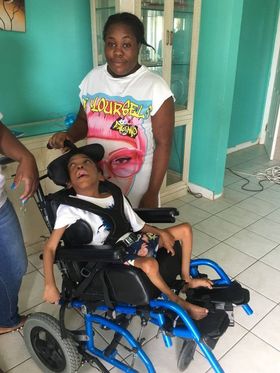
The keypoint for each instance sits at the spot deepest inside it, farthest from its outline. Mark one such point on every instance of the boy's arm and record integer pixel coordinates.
(166, 239)
(51, 293)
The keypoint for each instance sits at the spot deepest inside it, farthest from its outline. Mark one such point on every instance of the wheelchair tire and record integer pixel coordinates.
(186, 354)
(45, 345)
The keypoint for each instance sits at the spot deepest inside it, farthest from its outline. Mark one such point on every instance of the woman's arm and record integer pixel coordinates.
(163, 124)
(75, 133)
(27, 171)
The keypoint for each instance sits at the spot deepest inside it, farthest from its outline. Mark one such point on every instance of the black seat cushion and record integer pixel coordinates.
(125, 284)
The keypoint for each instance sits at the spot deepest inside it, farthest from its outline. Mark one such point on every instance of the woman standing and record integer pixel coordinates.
(128, 109)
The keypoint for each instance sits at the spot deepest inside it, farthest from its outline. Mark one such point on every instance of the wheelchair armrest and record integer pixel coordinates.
(91, 253)
(158, 215)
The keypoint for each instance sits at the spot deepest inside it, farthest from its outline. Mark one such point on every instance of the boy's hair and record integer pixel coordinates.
(130, 20)
(58, 168)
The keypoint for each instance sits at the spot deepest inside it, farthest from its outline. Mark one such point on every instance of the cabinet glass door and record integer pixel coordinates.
(103, 9)
(153, 19)
(181, 51)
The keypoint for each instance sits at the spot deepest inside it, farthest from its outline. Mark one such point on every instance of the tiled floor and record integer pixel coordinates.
(241, 231)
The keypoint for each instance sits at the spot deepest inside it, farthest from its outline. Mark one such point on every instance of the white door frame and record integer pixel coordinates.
(270, 87)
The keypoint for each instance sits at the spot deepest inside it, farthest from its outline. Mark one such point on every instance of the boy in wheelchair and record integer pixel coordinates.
(81, 167)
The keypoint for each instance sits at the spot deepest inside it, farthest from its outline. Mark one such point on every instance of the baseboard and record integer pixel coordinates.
(209, 194)
(242, 146)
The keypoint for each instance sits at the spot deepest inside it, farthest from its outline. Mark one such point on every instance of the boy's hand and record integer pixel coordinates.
(51, 294)
(167, 241)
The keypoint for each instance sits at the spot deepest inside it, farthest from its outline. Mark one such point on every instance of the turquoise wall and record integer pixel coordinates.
(259, 22)
(42, 68)
(216, 70)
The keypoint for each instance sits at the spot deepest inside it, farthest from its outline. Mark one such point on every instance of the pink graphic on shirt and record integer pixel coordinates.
(118, 127)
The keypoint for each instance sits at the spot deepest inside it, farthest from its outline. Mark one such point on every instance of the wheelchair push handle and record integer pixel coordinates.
(5, 160)
(67, 144)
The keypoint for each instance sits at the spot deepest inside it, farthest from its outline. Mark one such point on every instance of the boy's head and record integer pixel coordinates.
(66, 168)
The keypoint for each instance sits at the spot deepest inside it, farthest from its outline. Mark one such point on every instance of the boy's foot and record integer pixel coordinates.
(195, 312)
(197, 283)
(8, 329)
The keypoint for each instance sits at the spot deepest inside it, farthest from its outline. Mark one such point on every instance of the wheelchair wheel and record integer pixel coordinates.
(50, 352)
(186, 354)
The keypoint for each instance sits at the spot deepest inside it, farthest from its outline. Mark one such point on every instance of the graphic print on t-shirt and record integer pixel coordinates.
(118, 124)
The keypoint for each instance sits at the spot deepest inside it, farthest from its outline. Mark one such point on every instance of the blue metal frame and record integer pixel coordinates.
(223, 277)
(157, 317)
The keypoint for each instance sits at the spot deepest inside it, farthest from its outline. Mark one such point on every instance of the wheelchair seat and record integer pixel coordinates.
(96, 279)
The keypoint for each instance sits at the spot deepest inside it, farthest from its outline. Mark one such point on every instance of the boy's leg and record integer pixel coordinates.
(183, 233)
(170, 266)
(151, 268)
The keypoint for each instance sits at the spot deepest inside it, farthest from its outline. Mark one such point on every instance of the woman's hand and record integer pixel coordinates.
(57, 140)
(27, 173)
(167, 241)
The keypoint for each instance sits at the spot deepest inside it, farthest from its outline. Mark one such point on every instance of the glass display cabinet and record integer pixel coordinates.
(172, 28)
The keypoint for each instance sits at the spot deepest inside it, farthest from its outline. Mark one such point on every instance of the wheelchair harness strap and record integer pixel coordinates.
(114, 215)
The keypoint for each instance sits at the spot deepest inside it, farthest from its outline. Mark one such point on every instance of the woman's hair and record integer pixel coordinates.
(130, 20)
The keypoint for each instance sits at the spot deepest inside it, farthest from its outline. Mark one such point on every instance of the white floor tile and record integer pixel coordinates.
(31, 291)
(266, 228)
(175, 203)
(257, 206)
(260, 306)
(233, 196)
(251, 355)
(211, 206)
(269, 328)
(28, 366)
(274, 216)
(251, 243)
(270, 196)
(263, 279)
(191, 214)
(273, 258)
(202, 242)
(217, 228)
(231, 260)
(239, 216)
(35, 260)
(12, 350)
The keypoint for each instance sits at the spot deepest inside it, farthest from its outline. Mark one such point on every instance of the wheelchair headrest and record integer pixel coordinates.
(57, 169)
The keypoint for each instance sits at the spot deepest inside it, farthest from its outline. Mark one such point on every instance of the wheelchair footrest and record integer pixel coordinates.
(233, 293)
(214, 324)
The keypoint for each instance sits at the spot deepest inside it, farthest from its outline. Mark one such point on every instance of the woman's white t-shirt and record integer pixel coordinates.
(119, 116)
(68, 215)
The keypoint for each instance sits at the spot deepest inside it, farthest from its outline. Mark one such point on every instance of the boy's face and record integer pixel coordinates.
(83, 173)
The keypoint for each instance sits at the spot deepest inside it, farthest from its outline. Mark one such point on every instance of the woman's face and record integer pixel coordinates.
(121, 50)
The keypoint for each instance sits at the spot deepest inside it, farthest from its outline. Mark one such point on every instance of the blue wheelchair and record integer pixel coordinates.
(109, 295)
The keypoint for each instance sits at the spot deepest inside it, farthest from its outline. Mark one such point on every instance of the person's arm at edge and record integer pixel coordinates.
(76, 132)
(163, 124)
(27, 171)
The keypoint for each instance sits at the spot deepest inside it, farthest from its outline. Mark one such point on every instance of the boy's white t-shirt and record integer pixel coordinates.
(68, 215)
(119, 113)
(3, 195)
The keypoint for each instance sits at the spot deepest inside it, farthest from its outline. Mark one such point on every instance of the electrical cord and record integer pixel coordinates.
(196, 195)
(248, 181)
(271, 174)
